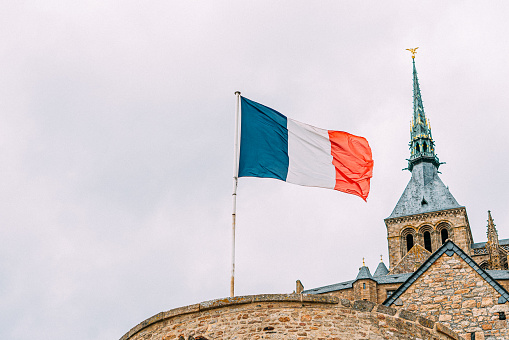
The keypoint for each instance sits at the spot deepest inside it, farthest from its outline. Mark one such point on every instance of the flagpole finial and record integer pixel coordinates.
(413, 51)
(237, 93)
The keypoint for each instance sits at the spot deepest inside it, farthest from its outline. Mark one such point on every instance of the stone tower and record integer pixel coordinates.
(426, 214)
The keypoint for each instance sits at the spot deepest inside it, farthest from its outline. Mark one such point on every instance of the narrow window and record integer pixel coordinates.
(409, 242)
(427, 240)
(363, 286)
(424, 147)
(445, 235)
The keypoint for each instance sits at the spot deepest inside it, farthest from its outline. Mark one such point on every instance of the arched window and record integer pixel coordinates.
(445, 235)
(409, 242)
(424, 147)
(427, 240)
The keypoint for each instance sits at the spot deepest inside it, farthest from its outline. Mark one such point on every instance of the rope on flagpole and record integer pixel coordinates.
(235, 183)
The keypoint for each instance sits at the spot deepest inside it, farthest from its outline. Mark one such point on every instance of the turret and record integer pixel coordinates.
(364, 286)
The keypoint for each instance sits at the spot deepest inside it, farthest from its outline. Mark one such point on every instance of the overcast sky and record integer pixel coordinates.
(116, 146)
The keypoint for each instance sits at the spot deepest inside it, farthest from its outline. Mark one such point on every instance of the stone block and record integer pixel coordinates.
(447, 331)
(363, 306)
(386, 310)
(426, 322)
(404, 314)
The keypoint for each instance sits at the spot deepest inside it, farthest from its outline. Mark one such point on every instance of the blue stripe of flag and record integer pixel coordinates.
(263, 142)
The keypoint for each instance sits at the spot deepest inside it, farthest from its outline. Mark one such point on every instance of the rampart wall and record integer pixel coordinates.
(288, 316)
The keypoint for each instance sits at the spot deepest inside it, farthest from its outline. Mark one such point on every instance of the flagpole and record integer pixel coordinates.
(235, 182)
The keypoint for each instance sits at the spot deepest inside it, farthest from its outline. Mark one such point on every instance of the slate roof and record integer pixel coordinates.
(381, 270)
(364, 274)
(425, 192)
(477, 245)
(449, 248)
(397, 278)
(499, 274)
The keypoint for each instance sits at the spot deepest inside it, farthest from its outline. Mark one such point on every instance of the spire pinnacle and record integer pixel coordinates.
(492, 231)
(422, 146)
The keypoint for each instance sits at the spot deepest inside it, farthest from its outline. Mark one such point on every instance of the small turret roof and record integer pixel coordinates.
(381, 270)
(364, 274)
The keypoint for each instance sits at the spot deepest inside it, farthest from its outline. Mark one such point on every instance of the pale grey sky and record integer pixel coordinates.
(116, 141)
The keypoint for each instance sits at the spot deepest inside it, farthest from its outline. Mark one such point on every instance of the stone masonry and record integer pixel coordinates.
(288, 316)
(454, 294)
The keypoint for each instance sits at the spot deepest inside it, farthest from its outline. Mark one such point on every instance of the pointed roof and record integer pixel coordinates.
(425, 192)
(449, 248)
(381, 270)
(364, 274)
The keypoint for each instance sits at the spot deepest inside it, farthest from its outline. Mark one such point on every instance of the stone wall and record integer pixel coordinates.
(288, 316)
(454, 294)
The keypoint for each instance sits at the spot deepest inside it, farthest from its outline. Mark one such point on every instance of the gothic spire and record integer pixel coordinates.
(425, 191)
(492, 231)
(422, 146)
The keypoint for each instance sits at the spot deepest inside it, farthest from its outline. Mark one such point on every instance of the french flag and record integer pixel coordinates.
(274, 146)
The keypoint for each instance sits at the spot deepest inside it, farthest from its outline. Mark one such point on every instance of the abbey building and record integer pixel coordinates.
(435, 267)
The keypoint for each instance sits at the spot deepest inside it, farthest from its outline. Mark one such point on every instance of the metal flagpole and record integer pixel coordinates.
(235, 182)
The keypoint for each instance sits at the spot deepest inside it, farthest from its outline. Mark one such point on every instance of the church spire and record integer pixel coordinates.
(422, 146)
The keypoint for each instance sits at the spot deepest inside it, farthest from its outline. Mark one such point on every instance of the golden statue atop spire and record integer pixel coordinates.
(363, 264)
(413, 51)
